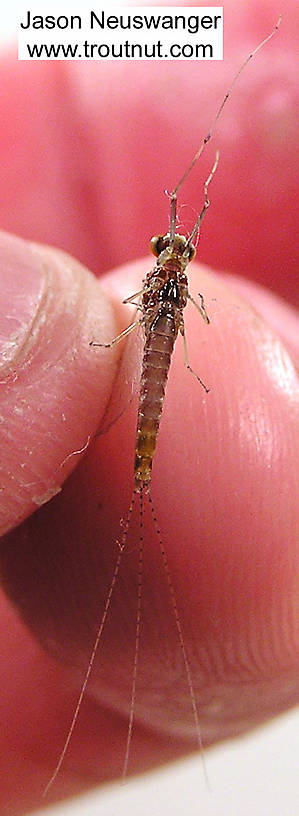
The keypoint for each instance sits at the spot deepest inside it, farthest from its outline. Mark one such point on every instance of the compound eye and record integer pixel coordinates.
(158, 243)
(154, 243)
(192, 252)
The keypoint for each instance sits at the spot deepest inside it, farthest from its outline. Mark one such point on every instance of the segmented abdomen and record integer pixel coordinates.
(155, 366)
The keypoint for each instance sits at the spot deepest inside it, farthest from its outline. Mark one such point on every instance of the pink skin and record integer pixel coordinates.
(224, 472)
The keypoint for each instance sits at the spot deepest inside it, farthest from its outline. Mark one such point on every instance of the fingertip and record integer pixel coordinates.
(219, 467)
(54, 387)
(278, 313)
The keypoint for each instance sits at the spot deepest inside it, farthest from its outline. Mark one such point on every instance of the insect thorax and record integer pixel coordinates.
(166, 285)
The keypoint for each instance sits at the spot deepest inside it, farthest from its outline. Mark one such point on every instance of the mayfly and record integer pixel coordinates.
(160, 304)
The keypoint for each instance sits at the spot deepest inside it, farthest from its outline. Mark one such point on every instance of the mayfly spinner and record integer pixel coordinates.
(160, 305)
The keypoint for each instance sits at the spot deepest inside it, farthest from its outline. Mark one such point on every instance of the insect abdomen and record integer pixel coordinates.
(156, 361)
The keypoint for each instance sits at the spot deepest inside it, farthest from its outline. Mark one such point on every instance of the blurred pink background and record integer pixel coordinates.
(88, 149)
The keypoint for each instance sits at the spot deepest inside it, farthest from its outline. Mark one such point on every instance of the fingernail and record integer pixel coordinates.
(22, 286)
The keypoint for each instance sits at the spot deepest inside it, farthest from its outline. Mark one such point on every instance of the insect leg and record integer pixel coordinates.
(207, 138)
(134, 303)
(119, 337)
(200, 307)
(131, 298)
(173, 211)
(187, 364)
(206, 201)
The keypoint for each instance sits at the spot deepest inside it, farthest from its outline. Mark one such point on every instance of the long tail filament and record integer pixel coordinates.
(137, 639)
(122, 544)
